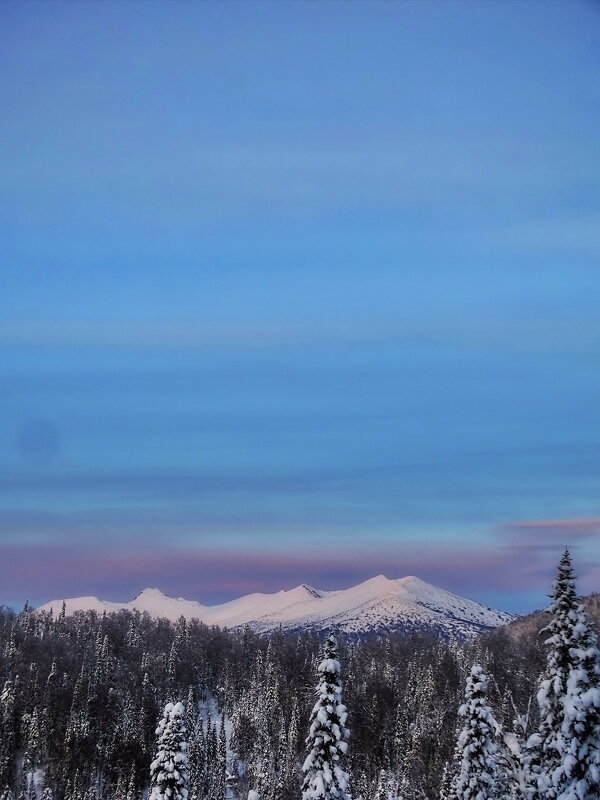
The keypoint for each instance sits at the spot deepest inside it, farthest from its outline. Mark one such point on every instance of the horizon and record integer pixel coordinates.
(299, 292)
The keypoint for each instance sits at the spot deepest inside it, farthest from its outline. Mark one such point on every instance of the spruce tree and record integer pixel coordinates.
(33, 747)
(215, 789)
(290, 753)
(131, 786)
(222, 752)
(172, 670)
(546, 745)
(383, 786)
(579, 772)
(168, 771)
(197, 759)
(8, 733)
(446, 791)
(476, 776)
(324, 778)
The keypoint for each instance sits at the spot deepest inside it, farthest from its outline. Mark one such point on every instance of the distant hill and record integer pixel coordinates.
(530, 625)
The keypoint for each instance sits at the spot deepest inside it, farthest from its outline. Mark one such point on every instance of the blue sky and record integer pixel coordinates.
(298, 292)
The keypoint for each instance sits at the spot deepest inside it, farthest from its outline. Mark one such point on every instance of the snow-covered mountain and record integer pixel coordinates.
(377, 605)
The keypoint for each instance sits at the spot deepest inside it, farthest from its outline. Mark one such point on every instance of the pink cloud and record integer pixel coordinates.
(559, 529)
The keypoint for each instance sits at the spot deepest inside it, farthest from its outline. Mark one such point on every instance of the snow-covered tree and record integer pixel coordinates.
(7, 732)
(383, 786)
(515, 780)
(324, 778)
(546, 745)
(578, 775)
(131, 787)
(215, 772)
(447, 782)
(33, 747)
(476, 776)
(172, 669)
(168, 771)
(197, 759)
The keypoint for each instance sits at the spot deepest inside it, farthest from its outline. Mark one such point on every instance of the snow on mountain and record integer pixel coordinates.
(374, 606)
(153, 601)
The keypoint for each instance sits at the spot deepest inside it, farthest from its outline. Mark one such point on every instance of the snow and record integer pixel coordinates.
(169, 768)
(324, 779)
(477, 767)
(376, 604)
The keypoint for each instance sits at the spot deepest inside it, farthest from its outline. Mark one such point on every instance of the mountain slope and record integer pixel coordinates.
(374, 606)
(530, 626)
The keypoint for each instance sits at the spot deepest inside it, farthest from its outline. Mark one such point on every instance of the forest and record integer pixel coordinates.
(90, 706)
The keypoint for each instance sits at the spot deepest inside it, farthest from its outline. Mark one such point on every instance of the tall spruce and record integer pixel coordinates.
(168, 771)
(546, 745)
(476, 778)
(8, 733)
(324, 777)
(197, 759)
(578, 775)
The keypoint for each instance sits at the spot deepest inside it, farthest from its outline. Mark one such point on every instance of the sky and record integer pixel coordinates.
(298, 292)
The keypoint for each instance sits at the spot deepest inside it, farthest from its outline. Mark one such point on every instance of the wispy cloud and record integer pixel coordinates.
(561, 530)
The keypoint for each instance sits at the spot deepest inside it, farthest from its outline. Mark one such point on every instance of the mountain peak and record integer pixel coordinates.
(150, 593)
(413, 582)
(379, 579)
(310, 590)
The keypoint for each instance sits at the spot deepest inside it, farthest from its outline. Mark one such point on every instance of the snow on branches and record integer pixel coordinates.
(168, 771)
(476, 778)
(324, 778)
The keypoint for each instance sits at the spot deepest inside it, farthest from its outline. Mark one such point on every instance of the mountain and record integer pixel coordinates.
(378, 605)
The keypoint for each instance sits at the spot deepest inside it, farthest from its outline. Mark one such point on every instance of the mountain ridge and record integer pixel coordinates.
(377, 605)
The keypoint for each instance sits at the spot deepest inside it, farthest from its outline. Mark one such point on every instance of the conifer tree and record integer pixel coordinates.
(168, 771)
(289, 754)
(324, 778)
(172, 669)
(197, 759)
(8, 733)
(49, 721)
(477, 769)
(147, 713)
(383, 786)
(293, 735)
(131, 787)
(222, 753)
(120, 792)
(191, 710)
(33, 747)
(447, 783)
(546, 745)
(262, 768)
(579, 772)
